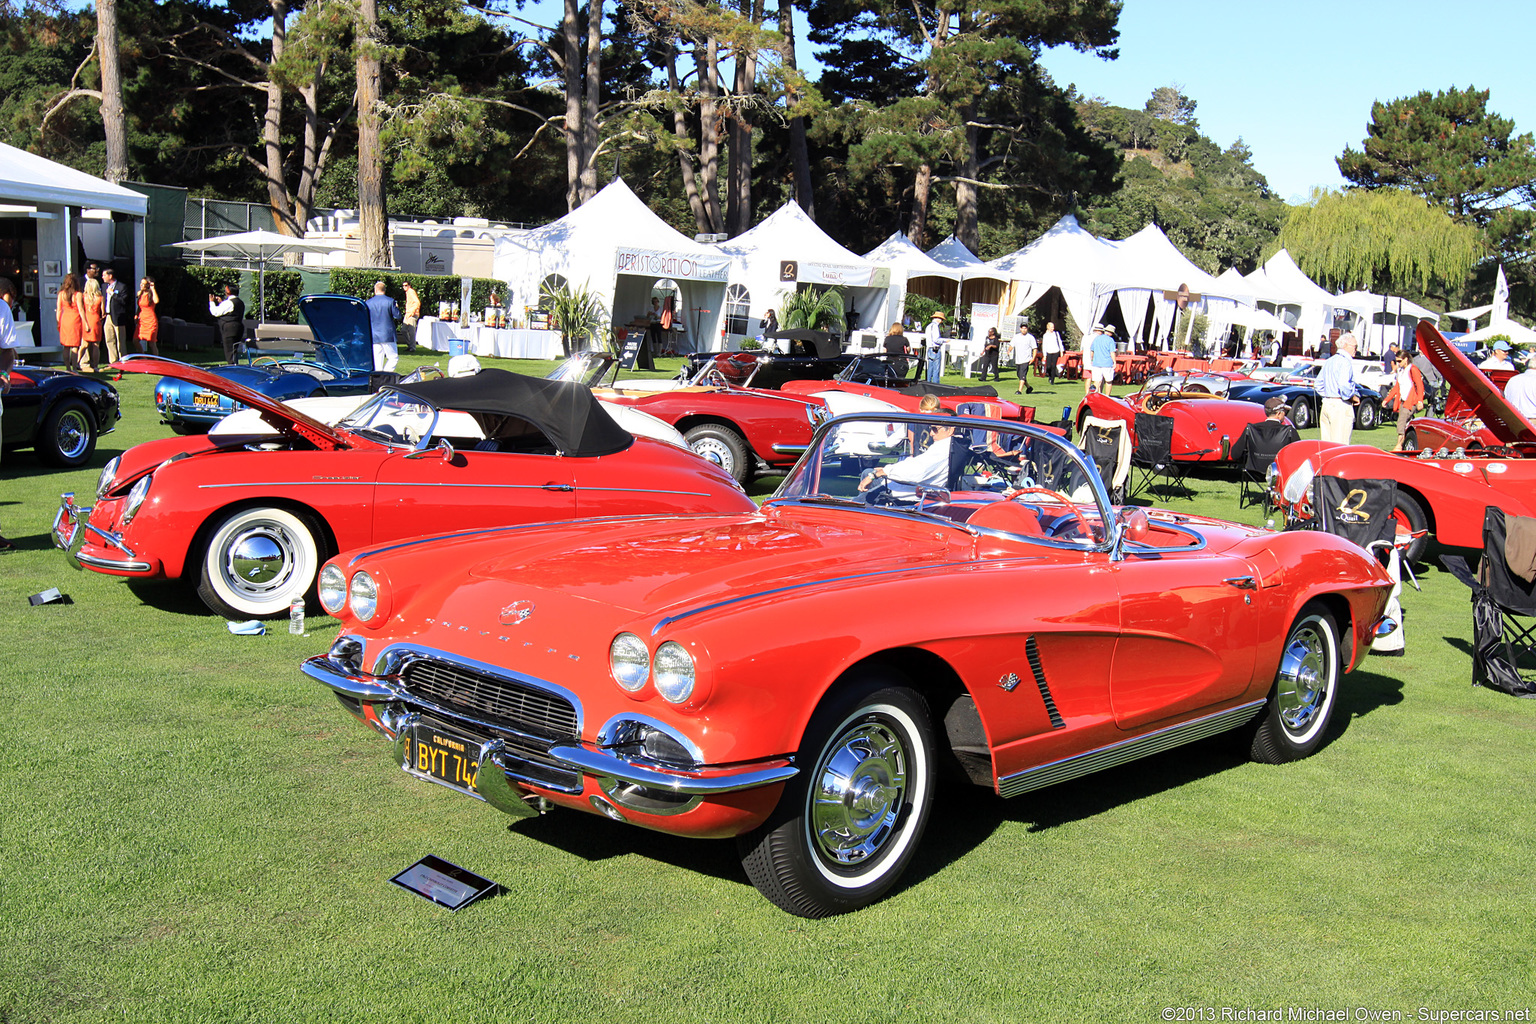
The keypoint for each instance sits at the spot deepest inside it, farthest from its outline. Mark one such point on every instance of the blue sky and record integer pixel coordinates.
(1296, 80)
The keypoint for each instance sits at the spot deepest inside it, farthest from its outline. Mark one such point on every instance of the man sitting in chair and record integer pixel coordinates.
(929, 468)
(1275, 431)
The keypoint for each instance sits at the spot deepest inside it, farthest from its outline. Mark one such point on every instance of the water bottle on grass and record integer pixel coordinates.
(296, 617)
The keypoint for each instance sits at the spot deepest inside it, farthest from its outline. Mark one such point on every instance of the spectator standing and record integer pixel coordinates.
(1051, 348)
(1389, 358)
(1521, 389)
(383, 315)
(1101, 361)
(69, 314)
(412, 315)
(1433, 379)
(10, 341)
(92, 304)
(991, 350)
(1336, 385)
(148, 333)
(1406, 394)
(1023, 357)
(896, 349)
(117, 328)
(933, 348)
(228, 314)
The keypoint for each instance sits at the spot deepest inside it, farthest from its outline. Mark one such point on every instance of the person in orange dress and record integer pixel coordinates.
(93, 303)
(149, 320)
(71, 322)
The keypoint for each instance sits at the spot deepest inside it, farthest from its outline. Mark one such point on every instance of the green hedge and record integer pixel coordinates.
(433, 288)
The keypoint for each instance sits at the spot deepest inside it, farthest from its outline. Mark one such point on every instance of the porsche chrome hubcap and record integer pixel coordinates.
(260, 559)
(860, 786)
(1305, 675)
(74, 434)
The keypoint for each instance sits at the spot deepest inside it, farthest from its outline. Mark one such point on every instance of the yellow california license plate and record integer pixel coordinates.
(205, 398)
(442, 756)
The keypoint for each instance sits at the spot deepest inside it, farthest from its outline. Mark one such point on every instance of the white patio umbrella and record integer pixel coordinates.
(258, 247)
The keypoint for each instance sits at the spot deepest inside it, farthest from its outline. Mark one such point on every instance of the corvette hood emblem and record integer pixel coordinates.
(515, 613)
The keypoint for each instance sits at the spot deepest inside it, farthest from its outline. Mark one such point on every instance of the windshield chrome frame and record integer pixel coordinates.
(421, 444)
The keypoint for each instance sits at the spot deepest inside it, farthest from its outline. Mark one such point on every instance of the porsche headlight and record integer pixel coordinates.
(332, 589)
(674, 672)
(1299, 483)
(629, 661)
(365, 596)
(108, 476)
(136, 497)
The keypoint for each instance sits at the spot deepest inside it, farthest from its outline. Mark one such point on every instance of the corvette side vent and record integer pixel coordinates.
(1032, 652)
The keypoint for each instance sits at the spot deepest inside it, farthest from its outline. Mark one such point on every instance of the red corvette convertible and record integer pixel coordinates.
(251, 519)
(1443, 491)
(753, 675)
(1204, 427)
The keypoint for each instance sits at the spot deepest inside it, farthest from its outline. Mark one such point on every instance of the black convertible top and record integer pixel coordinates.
(564, 411)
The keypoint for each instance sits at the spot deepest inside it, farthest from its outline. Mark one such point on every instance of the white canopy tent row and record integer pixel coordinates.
(1386, 319)
(788, 251)
(616, 248)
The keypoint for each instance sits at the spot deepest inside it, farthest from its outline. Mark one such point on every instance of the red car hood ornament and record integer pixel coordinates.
(515, 613)
(1475, 388)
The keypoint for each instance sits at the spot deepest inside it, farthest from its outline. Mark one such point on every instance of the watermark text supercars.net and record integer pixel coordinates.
(1200, 1014)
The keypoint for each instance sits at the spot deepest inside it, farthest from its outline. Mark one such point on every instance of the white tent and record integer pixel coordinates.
(1384, 319)
(1154, 267)
(1294, 297)
(954, 254)
(787, 250)
(614, 246)
(1065, 257)
(907, 261)
(1516, 333)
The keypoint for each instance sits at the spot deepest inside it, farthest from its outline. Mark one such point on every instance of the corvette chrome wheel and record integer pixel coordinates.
(257, 562)
(1301, 700)
(847, 826)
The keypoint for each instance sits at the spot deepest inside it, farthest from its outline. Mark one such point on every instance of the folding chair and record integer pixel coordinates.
(1362, 511)
(1108, 446)
(1259, 447)
(1152, 455)
(1501, 598)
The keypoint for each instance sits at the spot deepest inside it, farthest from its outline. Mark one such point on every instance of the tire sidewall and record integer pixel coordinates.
(1277, 742)
(225, 599)
(48, 442)
(727, 439)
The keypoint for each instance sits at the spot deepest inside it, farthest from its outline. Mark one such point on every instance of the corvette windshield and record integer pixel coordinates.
(1015, 478)
(394, 418)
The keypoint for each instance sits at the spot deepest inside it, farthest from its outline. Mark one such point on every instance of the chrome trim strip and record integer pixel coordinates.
(385, 483)
(702, 782)
(639, 490)
(107, 563)
(789, 449)
(1126, 750)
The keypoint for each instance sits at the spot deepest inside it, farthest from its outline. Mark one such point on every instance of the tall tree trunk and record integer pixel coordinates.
(112, 119)
(594, 92)
(272, 129)
(570, 42)
(684, 157)
(373, 220)
(738, 206)
(967, 228)
(799, 150)
(707, 58)
(917, 227)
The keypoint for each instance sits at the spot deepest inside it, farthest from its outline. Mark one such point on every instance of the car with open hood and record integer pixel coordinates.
(340, 362)
(58, 414)
(924, 594)
(1441, 492)
(250, 519)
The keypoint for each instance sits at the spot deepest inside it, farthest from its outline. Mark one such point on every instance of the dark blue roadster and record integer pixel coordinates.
(340, 363)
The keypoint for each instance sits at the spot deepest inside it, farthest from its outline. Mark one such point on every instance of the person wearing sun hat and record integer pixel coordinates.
(1101, 360)
(1498, 359)
(933, 348)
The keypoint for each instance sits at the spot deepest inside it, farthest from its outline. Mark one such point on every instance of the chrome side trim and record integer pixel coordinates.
(700, 782)
(789, 449)
(1126, 750)
(108, 563)
(640, 490)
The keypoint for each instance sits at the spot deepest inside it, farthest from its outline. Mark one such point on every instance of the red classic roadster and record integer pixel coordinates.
(1441, 492)
(760, 675)
(251, 518)
(1205, 427)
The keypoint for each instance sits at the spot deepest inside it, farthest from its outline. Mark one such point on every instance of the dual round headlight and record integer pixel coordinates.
(630, 662)
(335, 591)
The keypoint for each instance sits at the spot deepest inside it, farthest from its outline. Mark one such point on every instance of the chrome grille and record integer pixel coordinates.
(523, 708)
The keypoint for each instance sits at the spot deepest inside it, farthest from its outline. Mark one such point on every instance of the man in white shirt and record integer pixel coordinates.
(1521, 389)
(933, 348)
(929, 468)
(1023, 357)
(1051, 348)
(10, 341)
(1498, 359)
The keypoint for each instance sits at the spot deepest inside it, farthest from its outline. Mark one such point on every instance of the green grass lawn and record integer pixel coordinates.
(191, 830)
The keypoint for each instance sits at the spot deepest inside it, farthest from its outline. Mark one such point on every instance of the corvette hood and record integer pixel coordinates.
(1474, 388)
(667, 564)
(282, 418)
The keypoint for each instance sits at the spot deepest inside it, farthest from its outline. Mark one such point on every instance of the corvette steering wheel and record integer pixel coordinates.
(1056, 498)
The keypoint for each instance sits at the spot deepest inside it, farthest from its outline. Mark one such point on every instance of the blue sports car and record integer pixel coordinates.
(341, 363)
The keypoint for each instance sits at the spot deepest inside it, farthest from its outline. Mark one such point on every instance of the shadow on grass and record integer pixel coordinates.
(595, 838)
(178, 597)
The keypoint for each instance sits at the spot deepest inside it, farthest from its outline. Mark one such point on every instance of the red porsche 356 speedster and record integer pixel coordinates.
(752, 675)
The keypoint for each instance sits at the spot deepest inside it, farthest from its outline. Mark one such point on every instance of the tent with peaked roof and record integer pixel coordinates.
(1066, 257)
(1154, 267)
(788, 251)
(908, 263)
(1280, 287)
(614, 246)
